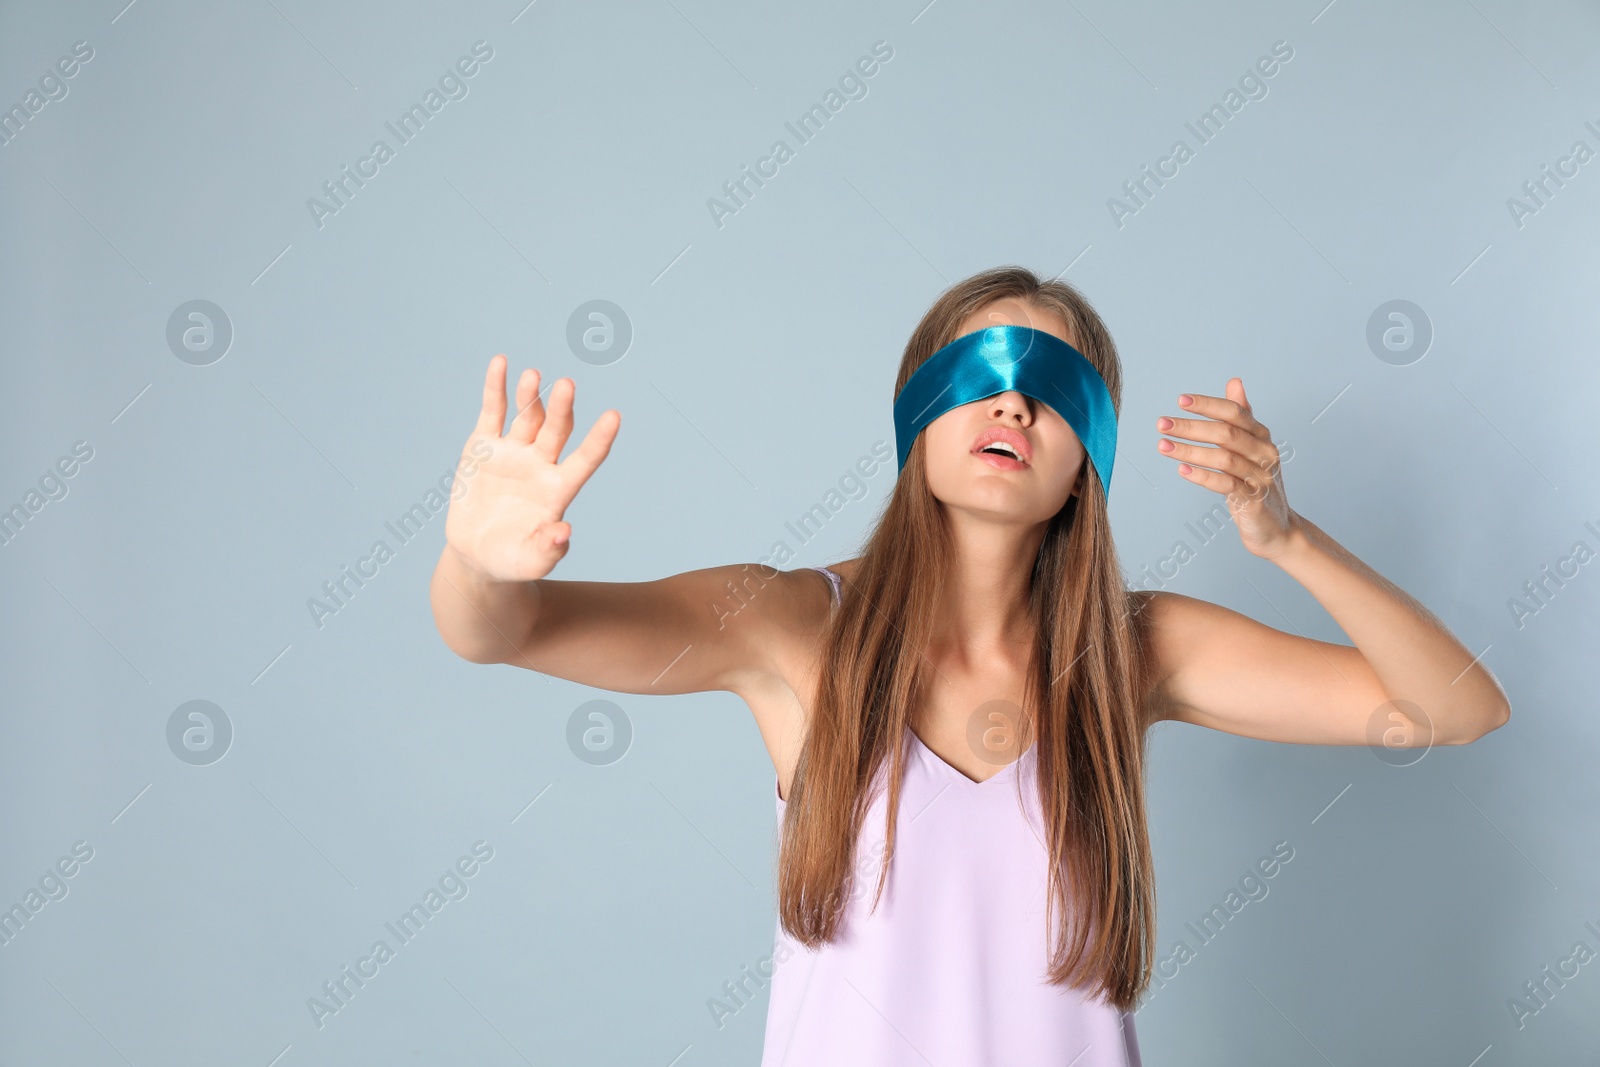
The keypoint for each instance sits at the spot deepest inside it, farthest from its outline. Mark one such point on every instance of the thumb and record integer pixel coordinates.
(1235, 391)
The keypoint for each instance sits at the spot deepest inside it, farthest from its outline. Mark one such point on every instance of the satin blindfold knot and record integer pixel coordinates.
(1000, 359)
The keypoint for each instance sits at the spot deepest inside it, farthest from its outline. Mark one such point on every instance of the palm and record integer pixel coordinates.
(514, 496)
(512, 490)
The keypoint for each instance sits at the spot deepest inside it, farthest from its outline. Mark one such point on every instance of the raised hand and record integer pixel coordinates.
(1244, 467)
(508, 523)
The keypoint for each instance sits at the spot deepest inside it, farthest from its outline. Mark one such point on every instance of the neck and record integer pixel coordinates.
(982, 613)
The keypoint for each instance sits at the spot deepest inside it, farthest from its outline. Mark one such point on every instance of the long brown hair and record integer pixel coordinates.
(1085, 694)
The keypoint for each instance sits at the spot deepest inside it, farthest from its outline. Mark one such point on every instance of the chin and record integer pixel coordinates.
(1008, 503)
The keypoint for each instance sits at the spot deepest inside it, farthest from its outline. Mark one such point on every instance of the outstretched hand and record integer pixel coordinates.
(508, 523)
(1244, 467)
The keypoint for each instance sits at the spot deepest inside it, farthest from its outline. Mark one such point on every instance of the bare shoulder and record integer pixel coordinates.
(779, 616)
(1181, 628)
(778, 611)
(1169, 614)
(845, 569)
(786, 619)
(792, 626)
(1172, 625)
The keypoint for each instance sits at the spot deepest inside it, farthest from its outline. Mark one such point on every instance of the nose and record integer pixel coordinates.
(1011, 405)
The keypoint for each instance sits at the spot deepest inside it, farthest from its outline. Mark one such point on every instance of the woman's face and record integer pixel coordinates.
(962, 474)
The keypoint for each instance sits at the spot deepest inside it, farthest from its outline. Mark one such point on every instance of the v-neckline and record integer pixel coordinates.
(960, 775)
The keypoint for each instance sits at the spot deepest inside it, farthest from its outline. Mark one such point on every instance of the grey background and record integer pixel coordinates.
(365, 758)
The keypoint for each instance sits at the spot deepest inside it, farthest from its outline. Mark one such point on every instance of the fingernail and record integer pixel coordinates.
(1163, 423)
(1164, 445)
(1184, 468)
(1185, 399)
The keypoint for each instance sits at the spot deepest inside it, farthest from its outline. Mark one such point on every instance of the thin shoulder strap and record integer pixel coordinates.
(833, 581)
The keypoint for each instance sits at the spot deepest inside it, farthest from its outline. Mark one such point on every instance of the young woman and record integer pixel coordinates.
(984, 633)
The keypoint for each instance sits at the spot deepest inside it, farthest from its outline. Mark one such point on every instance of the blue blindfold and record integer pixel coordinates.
(1000, 359)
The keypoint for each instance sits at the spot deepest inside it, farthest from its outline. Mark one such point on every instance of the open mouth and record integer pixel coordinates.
(1000, 448)
(1003, 448)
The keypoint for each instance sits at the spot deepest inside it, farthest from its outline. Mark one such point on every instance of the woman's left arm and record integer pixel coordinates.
(1407, 677)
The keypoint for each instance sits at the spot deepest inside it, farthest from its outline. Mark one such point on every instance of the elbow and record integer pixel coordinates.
(1485, 710)
(1499, 717)
(475, 655)
(472, 652)
(1484, 723)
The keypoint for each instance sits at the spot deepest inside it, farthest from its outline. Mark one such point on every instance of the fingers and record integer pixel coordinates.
(547, 430)
(1244, 464)
(1235, 412)
(1218, 481)
(1229, 424)
(541, 549)
(552, 436)
(1260, 451)
(587, 457)
(1222, 459)
(492, 416)
(1235, 391)
(1244, 476)
(530, 412)
(556, 536)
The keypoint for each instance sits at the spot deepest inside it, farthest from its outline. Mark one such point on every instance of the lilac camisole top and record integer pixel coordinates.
(951, 967)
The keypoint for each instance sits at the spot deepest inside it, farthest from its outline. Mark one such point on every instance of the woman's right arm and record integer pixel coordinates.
(686, 633)
(716, 628)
